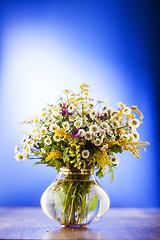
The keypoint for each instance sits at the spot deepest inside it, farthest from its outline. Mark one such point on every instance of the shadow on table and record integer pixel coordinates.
(73, 233)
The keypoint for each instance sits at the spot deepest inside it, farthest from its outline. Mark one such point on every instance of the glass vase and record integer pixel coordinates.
(75, 199)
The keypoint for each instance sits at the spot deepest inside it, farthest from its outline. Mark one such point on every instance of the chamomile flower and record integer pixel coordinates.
(115, 124)
(27, 149)
(23, 140)
(67, 91)
(125, 137)
(88, 135)
(78, 123)
(106, 102)
(56, 138)
(43, 130)
(121, 105)
(81, 132)
(65, 125)
(47, 141)
(126, 111)
(84, 121)
(49, 121)
(105, 147)
(19, 156)
(85, 153)
(104, 125)
(135, 135)
(71, 108)
(43, 150)
(94, 128)
(38, 136)
(53, 127)
(115, 161)
(97, 142)
(93, 113)
(44, 115)
(134, 123)
(16, 149)
(55, 113)
(72, 118)
(36, 120)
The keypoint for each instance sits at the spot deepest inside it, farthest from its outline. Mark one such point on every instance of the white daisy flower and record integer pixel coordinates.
(94, 128)
(88, 135)
(36, 120)
(38, 136)
(106, 102)
(66, 91)
(23, 140)
(121, 105)
(134, 123)
(47, 141)
(49, 121)
(53, 127)
(104, 125)
(85, 153)
(126, 111)
(78, 123)
(19, 156)
(43, 150)
(102, 132)
(115, 124)
(56, 138)
(43, 130)
(16, 149)
(44, 115)
(84, 121)
(31, 143)
(65, 125)
(56, 113)
(97, 142)
(115, 161)
(113, 138)
(135, 135)
(125, 137)
(93, 113)
(109, 131)
(72, 118)
(81, 132)
(71, 108)
(104, 147)
(27, 149)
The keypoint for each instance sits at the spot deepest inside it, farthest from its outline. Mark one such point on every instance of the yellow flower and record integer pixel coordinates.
(54, 155)
(60, 132)
(83, 86)
(135, 109)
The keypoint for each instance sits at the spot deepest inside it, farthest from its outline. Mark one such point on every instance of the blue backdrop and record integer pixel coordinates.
(48, 46)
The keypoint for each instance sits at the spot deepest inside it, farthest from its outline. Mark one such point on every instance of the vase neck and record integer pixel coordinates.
(66, 171)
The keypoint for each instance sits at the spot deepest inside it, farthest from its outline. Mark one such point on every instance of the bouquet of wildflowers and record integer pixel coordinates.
(80, 133)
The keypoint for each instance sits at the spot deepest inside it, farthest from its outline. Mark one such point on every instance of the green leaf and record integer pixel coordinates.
(99, 173)
(57, 202)
(93, 203)
(116, 148)
(112, 176)
(65, 155)
(110, 170)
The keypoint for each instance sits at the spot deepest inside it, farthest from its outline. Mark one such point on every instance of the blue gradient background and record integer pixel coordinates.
(48, 46)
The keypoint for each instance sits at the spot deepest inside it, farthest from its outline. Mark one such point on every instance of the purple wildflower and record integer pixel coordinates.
(75, 134)
(64, 109)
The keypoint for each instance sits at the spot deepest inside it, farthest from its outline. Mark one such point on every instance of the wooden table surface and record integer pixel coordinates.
(117, 224)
